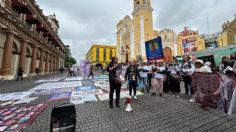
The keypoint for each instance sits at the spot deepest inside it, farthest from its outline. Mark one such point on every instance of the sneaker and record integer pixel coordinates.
(135, 97)
(177, 97)
(160, 95)
(192, 100)
(153, 94)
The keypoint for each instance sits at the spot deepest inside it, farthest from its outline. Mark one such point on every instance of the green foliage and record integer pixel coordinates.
(69, 61)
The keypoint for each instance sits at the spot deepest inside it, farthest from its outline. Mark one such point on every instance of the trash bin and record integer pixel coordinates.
(63, 118)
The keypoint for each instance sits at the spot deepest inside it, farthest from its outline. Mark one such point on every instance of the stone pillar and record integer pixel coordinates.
(46, 63)
(7, 55)
(23, 55)
(33, 62)
(41, 62)
(51, 63)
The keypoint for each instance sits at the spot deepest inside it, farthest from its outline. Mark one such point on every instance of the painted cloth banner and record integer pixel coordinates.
(15, 119)
(82, 88)
(190, 45)
(15, 96)
(154, 50)
(57, 85)
(59, 96)
(85, 68)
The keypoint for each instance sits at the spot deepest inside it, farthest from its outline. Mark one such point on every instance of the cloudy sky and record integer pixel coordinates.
(84, 22)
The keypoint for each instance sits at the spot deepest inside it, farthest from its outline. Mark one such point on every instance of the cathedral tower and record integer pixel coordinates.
(142, 25)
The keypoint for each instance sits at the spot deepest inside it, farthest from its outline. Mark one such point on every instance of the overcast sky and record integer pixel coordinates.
(84, 22)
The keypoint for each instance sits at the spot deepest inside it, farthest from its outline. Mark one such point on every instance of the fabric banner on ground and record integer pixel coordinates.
(48, 80)
(101, 77)
(89, 98)
(104, 96)
(73, 79)
(53, 91)
(59, 96)
(7, 103)
(48, 86)
(154, 50)
(25, 100)
(85, 68)
(15, 119)
(15, 96)
(82, 88)
(76, 98)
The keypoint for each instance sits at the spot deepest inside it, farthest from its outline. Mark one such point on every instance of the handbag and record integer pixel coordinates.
(118, 80)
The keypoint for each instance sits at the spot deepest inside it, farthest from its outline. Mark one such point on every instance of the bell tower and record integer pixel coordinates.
(142, 25)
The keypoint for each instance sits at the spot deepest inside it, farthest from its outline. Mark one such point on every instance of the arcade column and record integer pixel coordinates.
(23, 55)
(7, 55)
(33, 63)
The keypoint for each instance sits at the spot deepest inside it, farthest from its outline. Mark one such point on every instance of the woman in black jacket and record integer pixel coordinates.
(132, 75)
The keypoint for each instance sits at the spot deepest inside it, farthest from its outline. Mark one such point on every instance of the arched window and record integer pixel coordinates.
(104, 55)
(110, 54)
(38, 56)
(14, 48)
(27, 52)
(97, 54)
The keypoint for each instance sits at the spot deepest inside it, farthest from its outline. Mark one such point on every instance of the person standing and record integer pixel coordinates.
(174, 80)
(114, 71)
(158, 80)
(143, 72)
(20, 74)
(187, 69)
(132, 75)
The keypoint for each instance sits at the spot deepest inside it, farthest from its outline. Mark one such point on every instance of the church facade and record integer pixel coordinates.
(133, 32)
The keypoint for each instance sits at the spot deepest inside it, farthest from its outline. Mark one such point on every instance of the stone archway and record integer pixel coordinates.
(38, 55)
(168, 57)
(28, 60)
(15, 58)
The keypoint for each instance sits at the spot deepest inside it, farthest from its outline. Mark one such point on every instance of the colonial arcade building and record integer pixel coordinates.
(28, 39)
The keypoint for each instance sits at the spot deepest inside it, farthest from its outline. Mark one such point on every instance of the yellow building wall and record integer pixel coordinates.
(223, 39)
(200, 44)
(148, 28)
(92, 56)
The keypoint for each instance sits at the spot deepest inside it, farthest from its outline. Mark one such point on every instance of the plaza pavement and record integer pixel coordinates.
(151, 114)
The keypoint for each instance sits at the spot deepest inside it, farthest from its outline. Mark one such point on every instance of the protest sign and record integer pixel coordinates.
(154, 50)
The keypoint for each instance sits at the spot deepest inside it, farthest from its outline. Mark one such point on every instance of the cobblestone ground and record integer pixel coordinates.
(151, 114)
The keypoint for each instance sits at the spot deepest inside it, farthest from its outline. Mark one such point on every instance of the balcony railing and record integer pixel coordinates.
(27, 27)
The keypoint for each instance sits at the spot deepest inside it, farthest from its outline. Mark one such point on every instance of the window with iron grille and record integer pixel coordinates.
(97, 54)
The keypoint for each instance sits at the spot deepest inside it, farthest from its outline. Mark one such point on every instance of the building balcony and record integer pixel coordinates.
(15, 18)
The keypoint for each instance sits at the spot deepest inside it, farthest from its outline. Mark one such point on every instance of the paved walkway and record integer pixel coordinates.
(151, 114)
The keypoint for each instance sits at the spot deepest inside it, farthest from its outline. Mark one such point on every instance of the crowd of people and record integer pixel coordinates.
(167, 78)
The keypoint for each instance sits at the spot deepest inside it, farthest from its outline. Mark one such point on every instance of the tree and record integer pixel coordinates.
(69, 61)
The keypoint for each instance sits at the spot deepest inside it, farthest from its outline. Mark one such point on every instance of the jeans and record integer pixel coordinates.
(145, 83)
(187, 85)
